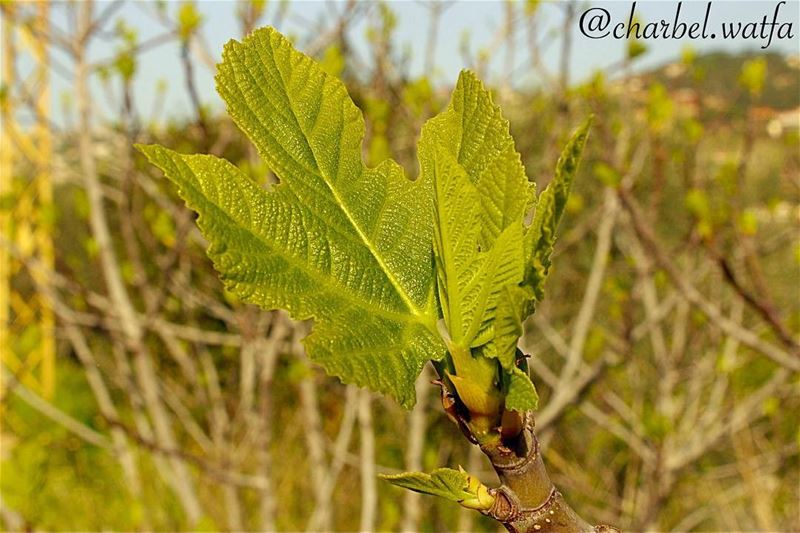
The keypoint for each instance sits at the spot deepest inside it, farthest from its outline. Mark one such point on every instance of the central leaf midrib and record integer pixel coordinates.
(341, 204)
(344, 292)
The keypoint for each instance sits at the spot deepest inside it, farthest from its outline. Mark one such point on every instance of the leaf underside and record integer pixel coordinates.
(346, 245)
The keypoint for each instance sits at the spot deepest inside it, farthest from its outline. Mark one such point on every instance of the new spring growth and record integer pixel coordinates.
(483, 499)
(454, 485)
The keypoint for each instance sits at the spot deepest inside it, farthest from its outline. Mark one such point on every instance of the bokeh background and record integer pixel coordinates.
(137, 394)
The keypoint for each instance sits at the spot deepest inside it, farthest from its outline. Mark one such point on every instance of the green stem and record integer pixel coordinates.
(475, 381)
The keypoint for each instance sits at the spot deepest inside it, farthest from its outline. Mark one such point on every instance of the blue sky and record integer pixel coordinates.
(480, 19)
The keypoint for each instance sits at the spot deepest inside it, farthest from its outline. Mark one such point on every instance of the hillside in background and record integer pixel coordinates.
(716, 74)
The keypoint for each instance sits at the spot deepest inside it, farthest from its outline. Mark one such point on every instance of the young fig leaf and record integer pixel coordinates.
(336, 241)
(541, 235)
(473, 130)
(521, 394)
(454, 485)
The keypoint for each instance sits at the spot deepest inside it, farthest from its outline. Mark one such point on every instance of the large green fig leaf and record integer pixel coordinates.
(346, 245)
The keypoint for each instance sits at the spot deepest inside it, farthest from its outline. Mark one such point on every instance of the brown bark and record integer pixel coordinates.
(527, 501)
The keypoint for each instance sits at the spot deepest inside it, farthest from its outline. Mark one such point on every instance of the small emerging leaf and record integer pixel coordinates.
(511, 312)
(541, 235)
(521, 394)
(454, 485)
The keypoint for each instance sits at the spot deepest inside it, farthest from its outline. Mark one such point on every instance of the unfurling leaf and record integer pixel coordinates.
(541, 235)
(470, 280)
(474, 132)
(481, 196)
(453, 485)
(521, 395)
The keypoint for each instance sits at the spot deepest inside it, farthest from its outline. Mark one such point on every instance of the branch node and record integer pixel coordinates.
(605, 528)
(506, 507)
